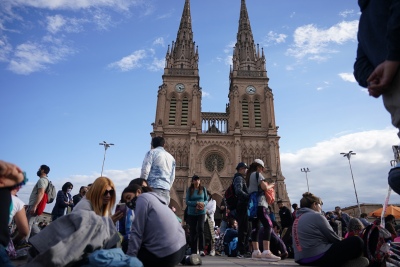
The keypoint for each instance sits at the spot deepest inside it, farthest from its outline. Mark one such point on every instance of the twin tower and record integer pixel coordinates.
(211, 144)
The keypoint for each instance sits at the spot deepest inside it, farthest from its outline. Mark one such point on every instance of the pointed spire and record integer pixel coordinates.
(245, 54)
(184, 54)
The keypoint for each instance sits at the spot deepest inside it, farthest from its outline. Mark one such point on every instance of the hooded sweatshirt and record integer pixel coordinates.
(312, 234)
(155, 227)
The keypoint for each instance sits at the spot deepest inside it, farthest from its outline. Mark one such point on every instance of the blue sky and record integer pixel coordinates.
(75, 73)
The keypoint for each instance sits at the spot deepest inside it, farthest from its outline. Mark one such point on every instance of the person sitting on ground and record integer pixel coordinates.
(154, 222)
(63, 201)
(17, 218)
(89, 227)
(316, 244)
(101, 199)
(230, 233)
(10, 176)
(354, 228)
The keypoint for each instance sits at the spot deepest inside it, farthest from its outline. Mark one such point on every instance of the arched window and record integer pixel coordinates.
(172, 111)
(185, 111)
(245, 113)
(257, 114)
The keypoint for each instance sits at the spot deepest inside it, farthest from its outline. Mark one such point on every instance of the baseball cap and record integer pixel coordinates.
(259, 161)
(195, 177)
(241, 165)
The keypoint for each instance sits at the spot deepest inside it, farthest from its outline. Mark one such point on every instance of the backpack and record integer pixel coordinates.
(51, 192)
(230, 196)
(253, 203)
(376, 246)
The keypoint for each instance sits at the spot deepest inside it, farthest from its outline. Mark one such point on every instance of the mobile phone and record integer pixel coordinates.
(121, 207)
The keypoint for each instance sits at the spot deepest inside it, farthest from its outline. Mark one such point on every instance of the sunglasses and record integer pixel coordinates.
(111, 192)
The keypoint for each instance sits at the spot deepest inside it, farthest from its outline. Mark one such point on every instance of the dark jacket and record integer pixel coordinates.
(59, 207)
(286, 217)
(240, 188)
(378, 36)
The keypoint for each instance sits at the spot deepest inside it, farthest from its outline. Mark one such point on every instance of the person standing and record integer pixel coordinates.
(158, 168)
(196, 200)
(80, 195)
(377, 65)
(37, 194)
(210, 222)
(256, 182)
(63, 200)
(240, 214)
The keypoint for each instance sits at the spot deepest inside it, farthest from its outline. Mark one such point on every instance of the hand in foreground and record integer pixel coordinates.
(10, 174)
(381, 78)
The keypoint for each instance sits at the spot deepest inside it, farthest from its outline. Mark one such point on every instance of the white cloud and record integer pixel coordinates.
(330, 176)
(130, 62)
(55, 23)
(157, 64)
(346, 13)
(5, 48)
(75, 4)
(205, 94)
(159, 41)
(313, 43)
(32, 57)
(348, 77)
(274, 38)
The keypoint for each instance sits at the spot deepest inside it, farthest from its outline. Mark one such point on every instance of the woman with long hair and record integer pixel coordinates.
(157, 238)
(316, 244)
(101, 199)
(256, 183)
(63, 201)
(196, 200)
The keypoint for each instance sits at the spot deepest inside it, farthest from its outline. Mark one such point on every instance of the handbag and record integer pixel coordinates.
(270, 195)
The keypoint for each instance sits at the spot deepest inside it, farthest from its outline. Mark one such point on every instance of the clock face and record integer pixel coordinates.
(250, 89)
(180, 87)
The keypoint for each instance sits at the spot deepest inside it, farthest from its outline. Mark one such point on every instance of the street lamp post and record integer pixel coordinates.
(306, 170)
(106, 145)
(348, 155)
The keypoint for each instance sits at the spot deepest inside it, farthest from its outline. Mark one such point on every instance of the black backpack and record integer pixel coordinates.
(230, 196)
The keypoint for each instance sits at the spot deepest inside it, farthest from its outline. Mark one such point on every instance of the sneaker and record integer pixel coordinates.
(240, 256)
(268, 256)
(256, 255)
(358, 262)
(284, 255)
(202, 253)
(194, 259)
(212, 253)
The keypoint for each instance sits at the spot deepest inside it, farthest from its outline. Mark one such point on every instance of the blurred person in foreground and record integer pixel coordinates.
(10, 176)
(378, 60)
(316, 244)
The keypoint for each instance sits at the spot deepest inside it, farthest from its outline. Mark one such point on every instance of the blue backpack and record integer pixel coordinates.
(253, 202)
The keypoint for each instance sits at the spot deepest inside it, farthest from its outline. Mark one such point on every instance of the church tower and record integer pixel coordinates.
(211, 144)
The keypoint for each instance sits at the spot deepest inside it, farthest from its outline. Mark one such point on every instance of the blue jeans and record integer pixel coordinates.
(4, 259)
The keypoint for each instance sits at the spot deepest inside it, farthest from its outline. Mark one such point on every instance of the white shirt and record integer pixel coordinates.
(210, 208)
(17, 204)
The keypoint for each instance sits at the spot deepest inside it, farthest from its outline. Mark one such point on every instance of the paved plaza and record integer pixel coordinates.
(222, 262)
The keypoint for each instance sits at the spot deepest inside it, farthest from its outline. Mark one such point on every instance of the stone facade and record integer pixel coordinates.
(210, 144)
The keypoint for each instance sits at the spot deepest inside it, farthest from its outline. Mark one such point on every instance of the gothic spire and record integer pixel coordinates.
(183, 53)
(246, 56)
